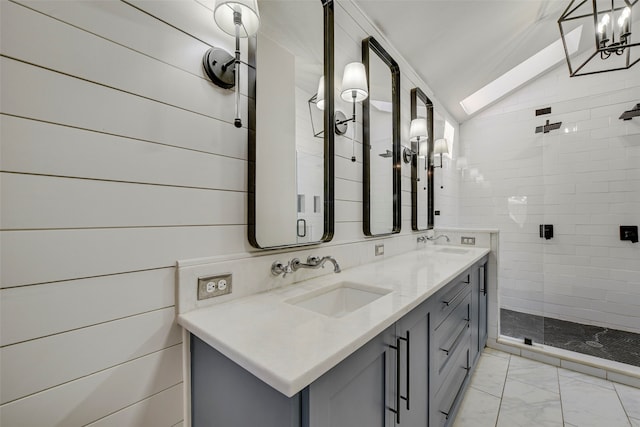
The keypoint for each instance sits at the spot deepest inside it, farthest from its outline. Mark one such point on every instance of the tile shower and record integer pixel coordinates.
(580, 289)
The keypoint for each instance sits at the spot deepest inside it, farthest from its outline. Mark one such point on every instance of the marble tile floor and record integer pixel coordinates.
(508, 391)
(610, 344)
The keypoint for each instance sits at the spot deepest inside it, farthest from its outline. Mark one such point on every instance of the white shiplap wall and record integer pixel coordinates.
(583, 178)
(118, 158)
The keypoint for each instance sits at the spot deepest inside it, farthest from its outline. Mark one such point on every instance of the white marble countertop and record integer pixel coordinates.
(289, 347)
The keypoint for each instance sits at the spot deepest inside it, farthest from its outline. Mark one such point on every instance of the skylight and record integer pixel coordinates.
(522, 73)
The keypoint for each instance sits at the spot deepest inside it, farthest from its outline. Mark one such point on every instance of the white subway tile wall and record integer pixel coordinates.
(583, 178)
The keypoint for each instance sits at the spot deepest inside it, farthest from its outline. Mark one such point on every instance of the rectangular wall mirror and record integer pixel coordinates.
(422, 164)
(290, 104)
(381, 142)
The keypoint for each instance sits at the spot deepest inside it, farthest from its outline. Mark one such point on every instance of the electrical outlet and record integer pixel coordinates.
(214, 286)
(380, 249)
(468, 240)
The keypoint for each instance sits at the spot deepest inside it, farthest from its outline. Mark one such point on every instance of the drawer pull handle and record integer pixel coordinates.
(398, 395)
(397, 409)
(455, 399)
(406, 398)
(455, 342)
(456, 296)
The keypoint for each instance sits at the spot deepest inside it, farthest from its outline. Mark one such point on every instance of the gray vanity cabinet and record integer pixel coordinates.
(357, 391)
(483, 303)
(224, 394)
(412, 335)
(363, 389)
(451, 337)
(412, 374)
(479, 301)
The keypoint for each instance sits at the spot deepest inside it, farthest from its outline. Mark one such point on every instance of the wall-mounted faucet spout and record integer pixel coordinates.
(278, 268)
(315, 262)
(437, 237)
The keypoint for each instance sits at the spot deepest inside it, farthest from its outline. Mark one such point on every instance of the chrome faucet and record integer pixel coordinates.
(295, 264)
(421, 239)
(314, 262)
(437, 237)
(278, 268)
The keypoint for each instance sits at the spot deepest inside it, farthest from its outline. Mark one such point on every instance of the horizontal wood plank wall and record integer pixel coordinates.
(120, 157)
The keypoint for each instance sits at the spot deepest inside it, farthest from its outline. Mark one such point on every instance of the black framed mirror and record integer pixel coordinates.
(291, 155)
(422, 164)
(381, 142)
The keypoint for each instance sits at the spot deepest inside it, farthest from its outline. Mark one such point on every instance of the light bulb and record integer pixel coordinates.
(626, 12)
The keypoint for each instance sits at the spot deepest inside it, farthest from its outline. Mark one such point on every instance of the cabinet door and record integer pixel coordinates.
(359, 391)
(482, 306)
(413, 331)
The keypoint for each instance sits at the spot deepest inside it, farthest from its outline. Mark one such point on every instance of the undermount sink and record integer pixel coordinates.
(340, 299)
(453, 251)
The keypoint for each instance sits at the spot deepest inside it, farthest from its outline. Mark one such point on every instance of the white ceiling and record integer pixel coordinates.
(458, 46)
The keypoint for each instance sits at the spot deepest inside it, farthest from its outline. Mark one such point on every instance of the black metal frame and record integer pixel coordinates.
(418, 94)
(329, 120)
(371, 44)
(566, 16)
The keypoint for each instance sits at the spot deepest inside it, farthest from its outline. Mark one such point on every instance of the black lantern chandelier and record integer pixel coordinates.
(609, 23)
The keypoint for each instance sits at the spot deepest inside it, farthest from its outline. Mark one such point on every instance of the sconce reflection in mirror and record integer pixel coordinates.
(318, 101)
(418, 137)
(354, 89)
(441, 146)
(241, 19)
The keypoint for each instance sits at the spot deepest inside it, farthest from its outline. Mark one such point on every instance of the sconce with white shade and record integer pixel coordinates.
(354, 89)
(241, 19)
(441, 146)
(418, 135)
(318, 100)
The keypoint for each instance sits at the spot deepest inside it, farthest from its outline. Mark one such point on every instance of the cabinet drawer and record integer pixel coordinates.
(450, 297)
(452, 336)
(450, 393)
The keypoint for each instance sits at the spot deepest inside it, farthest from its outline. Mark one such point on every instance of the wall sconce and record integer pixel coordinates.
(417, 135)
(241, 19)
(440, 147)
(354, 89)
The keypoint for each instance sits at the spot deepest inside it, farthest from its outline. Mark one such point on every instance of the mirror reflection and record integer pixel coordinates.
(381, 117)
(422, 163)
(288, 204)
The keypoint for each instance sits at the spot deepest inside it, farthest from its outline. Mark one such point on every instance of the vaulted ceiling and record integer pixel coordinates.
(458, 46)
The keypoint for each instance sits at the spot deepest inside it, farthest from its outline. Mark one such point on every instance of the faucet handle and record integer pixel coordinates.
(313, 260)
(278, 268)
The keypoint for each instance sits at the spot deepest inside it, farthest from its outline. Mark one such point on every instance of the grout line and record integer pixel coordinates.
(504, 385)
(560, 395)
(622, 403)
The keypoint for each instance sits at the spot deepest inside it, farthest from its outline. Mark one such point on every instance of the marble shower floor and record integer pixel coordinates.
(508, 390)
(610, 344)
